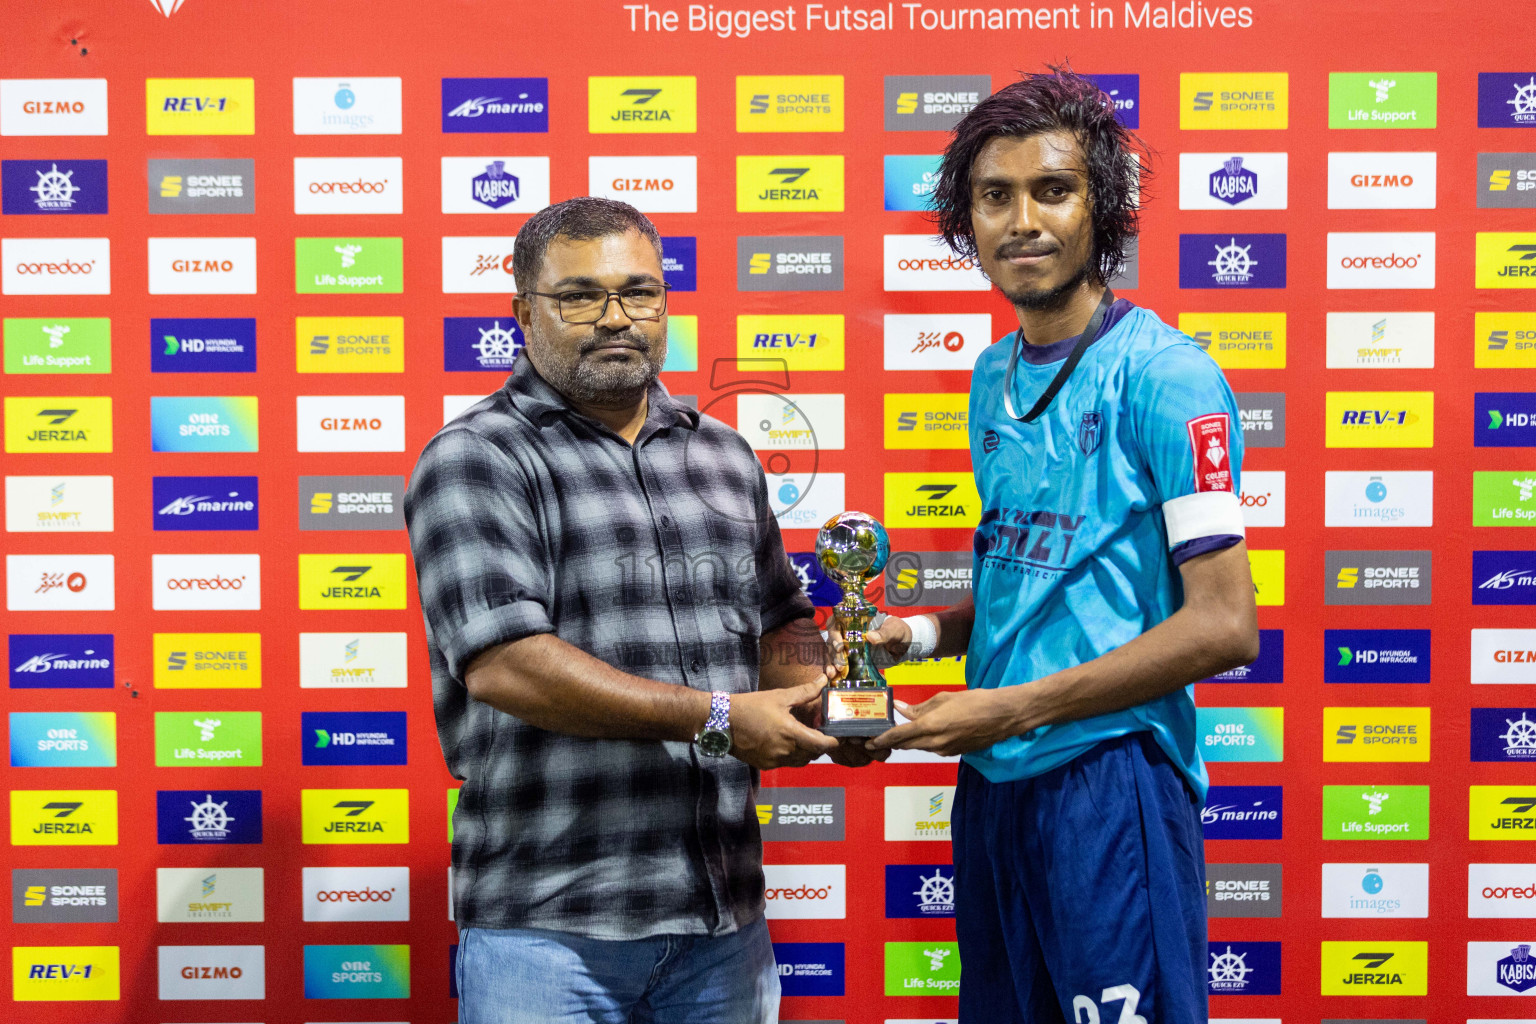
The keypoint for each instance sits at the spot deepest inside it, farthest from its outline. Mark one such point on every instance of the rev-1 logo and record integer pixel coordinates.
(1032, 542)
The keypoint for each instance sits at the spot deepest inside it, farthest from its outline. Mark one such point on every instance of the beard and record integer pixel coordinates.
(1047, 299)
(603, 380)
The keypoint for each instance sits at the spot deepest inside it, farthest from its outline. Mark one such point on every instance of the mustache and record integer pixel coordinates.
(629, 337)
(1010, 249)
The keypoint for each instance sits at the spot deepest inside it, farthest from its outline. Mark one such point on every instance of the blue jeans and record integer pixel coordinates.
(533, 976)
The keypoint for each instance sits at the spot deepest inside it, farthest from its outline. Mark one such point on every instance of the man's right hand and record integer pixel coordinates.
(893, 634)
(765, 732)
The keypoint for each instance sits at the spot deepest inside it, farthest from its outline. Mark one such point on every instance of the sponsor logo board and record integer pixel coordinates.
(58, 345)
(348, 266)
(1503, 499)
(1504, 419)
(924, 578)
(789, 103)
(935, 341)
(495, 105)
(786, 184)
(1381, 181)
(1243, 890)
(932, 499)
(1381, 259)
(791, 421)
(346, 106)
(1234, 100)
(1262, 414)
(922, 968)
(64, 896)
(65, 974)
(204, 423)
(806, 891)
(350, 344)
(478, 264)
(205, 502)
(649, 104)
(60, 583)
(55, 266)
(680, 262)
(926, 421)
(1376, 655)
(1375, 734)
(1506, 259)
(1380, 419)
(801, 813)
(1232, 260)
(802, 342)
(54, 661)
(1498, 656)
(201, 817)
(53, 186)
(1503, 577)
(1376, 812)
(1263, 498)
(357, 972)
(1382, 99)
(1501, 890)
(1375, 890)
(349, 184)
(186, 739)
(492, 343)
(223, 582)
(1504, 340)
(1375, 968)
(805, 500)
(207, 661)
(372, 816)
(921, 263)
(352, 581)
(213, 972)
(352, 660)
(1239, 341)
(1506, 99)
(196, 895)
(353, 737)
(1503, 734)
(351, 503)
(1243, 968)
(351, 423)
(810, 968)
(1501, 812)
(1506, 181)
(184, 185)
(919, 890)
(1501, 968)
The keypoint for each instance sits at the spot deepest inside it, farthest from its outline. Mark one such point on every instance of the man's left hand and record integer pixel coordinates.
(852, 753)
(951, 723)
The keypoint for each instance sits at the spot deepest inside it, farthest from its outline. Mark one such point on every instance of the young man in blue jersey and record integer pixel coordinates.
(1110, 575)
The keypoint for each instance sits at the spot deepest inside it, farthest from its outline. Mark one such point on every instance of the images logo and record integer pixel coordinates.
(354, 737)
(55, 266)
(63, 583)
(802, 342)
(1268, 667)
(644, 105)
(205, 503)
(1375, 812)
(332, 816)
(350, 344)
(213, 972)
(1375, 890)
(806, 891)
(503, 184)
(1376, 655)
(935, 341)
(200, 106)
(1506, 181)
(64, 896)
(1243, 812)
(1239, 341)
(1381, 181)
(934, 103)
(205, 661)
(1233, 181)
(331, 582)
(801, 814)
(922, 968)
(1506, 100)
(925, 263)
(910, 181)
(789, 183)
(1380, 419)
(1253, 100)
(65, 973)
(63, 739)
(495, 105)
(346, 106)
(1243, 890)
(1398, 99)
(805, 501)
(357, 894)
(932, 499)
(201, 186)
(43, 186)
(357, 184)
(1504, 577)
(653, 184)
(76, 817)
(1375, 968)
(919, 890)
(53, 106)
(202, 345)
(810, 968)
(1241, 734)
(61, 661)
(198, 816)
(188, 895)
(1243, 969)
(1381, 259)
(1232, 261)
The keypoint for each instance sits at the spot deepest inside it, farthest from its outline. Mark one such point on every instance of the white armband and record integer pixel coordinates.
(1204, 514)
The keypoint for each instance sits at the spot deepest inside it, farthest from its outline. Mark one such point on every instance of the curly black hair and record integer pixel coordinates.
(1060, 100)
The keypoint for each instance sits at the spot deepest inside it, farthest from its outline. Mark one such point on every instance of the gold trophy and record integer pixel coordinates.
(852, 548)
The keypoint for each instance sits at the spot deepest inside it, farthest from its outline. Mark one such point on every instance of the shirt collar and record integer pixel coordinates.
(536, 398)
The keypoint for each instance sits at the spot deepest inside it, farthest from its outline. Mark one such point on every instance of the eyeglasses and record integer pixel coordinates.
(589, 305)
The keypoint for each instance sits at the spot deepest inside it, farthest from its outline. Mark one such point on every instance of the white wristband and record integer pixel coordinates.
(925, 638)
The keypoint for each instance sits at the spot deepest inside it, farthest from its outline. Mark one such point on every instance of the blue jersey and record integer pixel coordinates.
(1082, 509)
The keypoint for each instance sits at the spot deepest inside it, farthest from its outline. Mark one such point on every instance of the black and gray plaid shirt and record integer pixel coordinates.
(663, 560)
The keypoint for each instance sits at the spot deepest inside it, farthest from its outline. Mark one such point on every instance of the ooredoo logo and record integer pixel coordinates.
(357, 894)
(925, 263)
(371, 184)
(1381, 259)
(56, 266)
(806, 891)
(196, 582)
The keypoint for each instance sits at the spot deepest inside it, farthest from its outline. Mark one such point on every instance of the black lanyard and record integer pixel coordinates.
(1088, 337)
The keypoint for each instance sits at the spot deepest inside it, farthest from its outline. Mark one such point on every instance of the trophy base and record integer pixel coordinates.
(856, 711)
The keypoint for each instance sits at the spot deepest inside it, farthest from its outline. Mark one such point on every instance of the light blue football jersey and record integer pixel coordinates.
(1072, 554)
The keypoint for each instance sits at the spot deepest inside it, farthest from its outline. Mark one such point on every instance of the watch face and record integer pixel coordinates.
(714, 742)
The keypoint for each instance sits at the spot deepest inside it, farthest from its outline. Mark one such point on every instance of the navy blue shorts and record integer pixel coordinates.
(1080, 893)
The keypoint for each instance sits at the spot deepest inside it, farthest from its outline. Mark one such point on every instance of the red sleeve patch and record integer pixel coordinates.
(1208, 443)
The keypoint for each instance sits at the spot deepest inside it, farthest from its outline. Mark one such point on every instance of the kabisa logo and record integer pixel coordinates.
(58, 973)
(495, 105)
(1243, 890)
(351, 581)
(919, 890)
(481, 343)
(794, 263)
(354, 737)
(1506, 100)
(950, 499)
(196, 661)
(1268, 667)
(1241, 734)
(350, 344)
(346, 106)
(1375, 812)
(494, 187)
(789, 103)
(1506, 259)
(205, 503)
(645, 105)
(1382, 99)
(1380, 419)
(200, 106)
(910, 181)
(1375, 968)
(789, 183)
(923, 103)
(1506, 181)
(1517, 971)
(810, 968)
(1504, 577)
(1233, 100)
(55, 266)
(1233, 183)
(63, 739)
(1373, 734)
(213, 345)
(1503, 734)
(1243, 812)
(1124, 91)
(495, 184)
(355, 815)
(43, 186)
(1243, 969)
(204, 423)
(1030, 542)
(57, 817)
(64, 896)
(53, 106)
(1232, 261)
(1503, 419)
(357, 894)
(61, 661)
(1501, 812)
(1376, 655)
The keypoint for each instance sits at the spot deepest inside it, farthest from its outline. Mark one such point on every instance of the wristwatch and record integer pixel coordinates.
(714, 740)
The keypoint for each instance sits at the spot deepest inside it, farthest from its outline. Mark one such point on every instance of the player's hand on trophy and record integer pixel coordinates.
(892, 636)
(951, 723)
(766, 732)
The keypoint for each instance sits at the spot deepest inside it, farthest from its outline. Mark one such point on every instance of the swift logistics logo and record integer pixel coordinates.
(1503, 419)
(934, 499)
(473, 343)
(791, 421)
(349, 344)
(789, 263)
(1506, 99)
(1501, 812)
(357, 894)
(1382, 99)
(1375, 968)
(58, 345)
(201, 186)
(1367, 341)
(1498, 656)
(58, 504)
(495, 105)
(353, 737)
(643, 105)
(1376, 655)
(1241, 734)
(202, 266)
(1503, 577)
(1381, 259)
(1375, 734)
(45, 187)
(204, 423)
(1239, 341)
(345, 816)
(652, 184)
(205, 503)
(919, 891)
(1504, 735)
(926, 421)
(58, 817)
(918, 813)
(207, 661)
(785, 184)
(64, 896)
(348, 266)
(63, 739)
(346, 106)
(1500, 969)
(357, 972)
(351, 503)
(801, 813)
(1268, 667)
(1379, 419)
(196, 895)
(1506, 181)
(910, 181)
(53, 106)
(1378, 577)
(1243, 812)
(200, 106)
(202, 345)
(1234, 181)
(1243, 968)
(803, 342)
(65, 974)
(351, 581)
(789, 103)
(1243, 890)
(1381, 181)
(1375, 890)
(1503, 498)
(1506, 259)
(499, 184)
(1376, 812)
(932, 103)
(922, 968)
(1232, 260)
(199, 817)
(185, 739)
(55, 266)
(1237, 100)
(55, 661)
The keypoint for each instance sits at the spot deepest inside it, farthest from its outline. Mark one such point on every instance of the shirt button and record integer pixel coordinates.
(695, 665)
(666, 520)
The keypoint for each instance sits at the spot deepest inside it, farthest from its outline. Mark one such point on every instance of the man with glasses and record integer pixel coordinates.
(618, 643)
